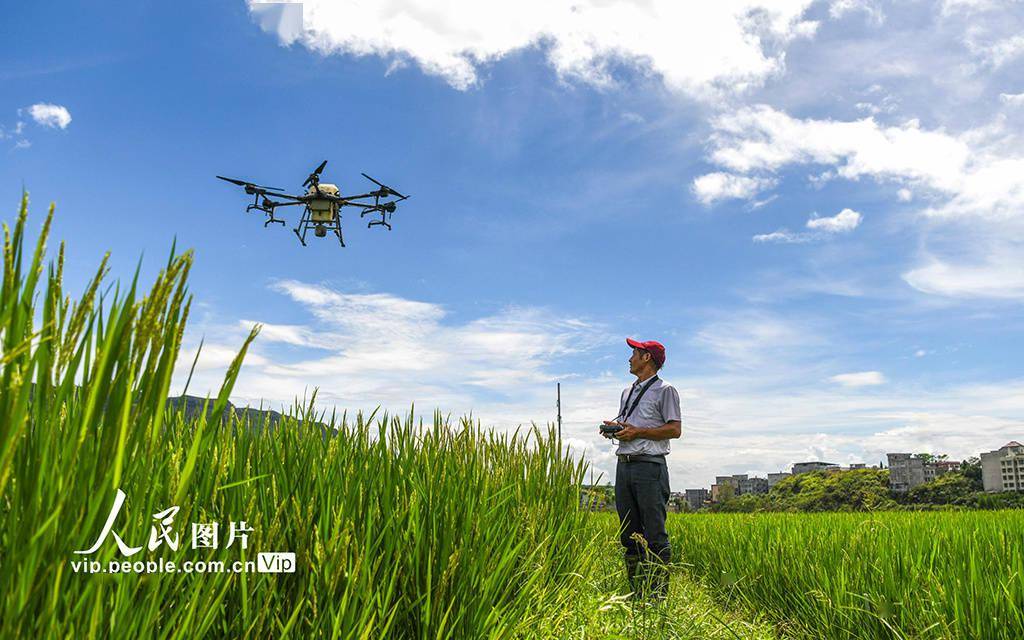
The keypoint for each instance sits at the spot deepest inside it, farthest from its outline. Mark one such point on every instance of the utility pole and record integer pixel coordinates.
(559, 405)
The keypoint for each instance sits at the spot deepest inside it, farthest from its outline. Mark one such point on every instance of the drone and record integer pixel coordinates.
(322, 204)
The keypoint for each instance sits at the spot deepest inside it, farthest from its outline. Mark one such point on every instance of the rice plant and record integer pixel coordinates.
(925, 575)
(399, 528)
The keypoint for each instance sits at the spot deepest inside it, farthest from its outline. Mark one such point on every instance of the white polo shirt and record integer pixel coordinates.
(658, 405)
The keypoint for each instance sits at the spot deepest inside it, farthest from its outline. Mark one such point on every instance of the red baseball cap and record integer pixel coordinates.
(656, 349)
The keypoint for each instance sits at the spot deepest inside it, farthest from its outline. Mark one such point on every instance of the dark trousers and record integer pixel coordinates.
(641, 498)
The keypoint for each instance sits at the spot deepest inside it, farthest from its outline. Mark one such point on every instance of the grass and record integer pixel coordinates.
(400, 529)
(898, 575)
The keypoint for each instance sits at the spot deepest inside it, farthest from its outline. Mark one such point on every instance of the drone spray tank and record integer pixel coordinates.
(323, 210)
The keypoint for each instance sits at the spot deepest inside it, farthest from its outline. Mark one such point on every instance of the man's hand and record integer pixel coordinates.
(628, 432)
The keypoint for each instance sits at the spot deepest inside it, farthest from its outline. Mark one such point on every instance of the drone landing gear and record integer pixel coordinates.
(320, 228)
(384, 211)
(265, 209)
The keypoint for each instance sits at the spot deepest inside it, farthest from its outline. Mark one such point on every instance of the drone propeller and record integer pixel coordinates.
(243, 183)
(315, 176)
(385, 190)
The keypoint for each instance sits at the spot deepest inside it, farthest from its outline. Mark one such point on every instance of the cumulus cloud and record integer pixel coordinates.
(760, 138)
(843, 222)
(859, 379)
(50, 115)
(820, 228)
(698, 48)
(713, 187)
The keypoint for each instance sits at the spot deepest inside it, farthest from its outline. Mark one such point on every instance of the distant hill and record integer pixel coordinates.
(193, 406)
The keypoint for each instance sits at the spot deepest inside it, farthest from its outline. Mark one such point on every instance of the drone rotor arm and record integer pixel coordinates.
(372, 194)
(384, 187)
(297, 199)
(250, 185)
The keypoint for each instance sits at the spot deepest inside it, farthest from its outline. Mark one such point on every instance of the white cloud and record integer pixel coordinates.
(952, 6)
(280, 18)
(999, 275)
(843, 222)
(859, 379)
(974, 180)
(711, 187)
(1000, 52)
(1012, 99)
(839, 8)
(698, 48)
(905, 195)
(761, 138)
(214, 357)
(50, 115)
(783, 236)
(381, 348)
(820, 228)
(748, 340)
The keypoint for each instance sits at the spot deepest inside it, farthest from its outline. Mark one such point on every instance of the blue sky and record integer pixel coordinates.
(815, 206)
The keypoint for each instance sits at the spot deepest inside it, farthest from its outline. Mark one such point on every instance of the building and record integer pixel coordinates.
(807, 467)
(907, 470)
(1003, 469)
(750, 486)
(943, 467)
(773, 478)
(741, 485)
(719, 491)
(695, 498)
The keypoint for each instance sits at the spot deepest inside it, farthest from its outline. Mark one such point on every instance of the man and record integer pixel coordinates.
(649, 415)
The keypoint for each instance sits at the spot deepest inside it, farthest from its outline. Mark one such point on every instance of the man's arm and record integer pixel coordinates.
(667, 431)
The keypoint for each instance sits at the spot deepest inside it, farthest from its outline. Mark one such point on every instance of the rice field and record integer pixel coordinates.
(401, 528)
(926, 575)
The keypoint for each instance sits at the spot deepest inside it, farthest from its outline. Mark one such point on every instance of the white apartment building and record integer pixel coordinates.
(1003, 469)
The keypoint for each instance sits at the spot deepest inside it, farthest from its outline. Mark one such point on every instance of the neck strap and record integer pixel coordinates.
(643, 390)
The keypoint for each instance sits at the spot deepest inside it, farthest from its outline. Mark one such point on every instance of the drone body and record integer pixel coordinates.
(322, 204)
